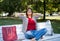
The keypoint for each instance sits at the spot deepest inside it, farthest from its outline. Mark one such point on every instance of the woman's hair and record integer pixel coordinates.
(27, 11)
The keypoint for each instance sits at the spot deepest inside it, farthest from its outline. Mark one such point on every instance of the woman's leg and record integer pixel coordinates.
(29, 35)
(40, 33)
(35, 34)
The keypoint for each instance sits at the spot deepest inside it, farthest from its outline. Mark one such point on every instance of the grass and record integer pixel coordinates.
(53, 17)
(9, 21)
(56, 25)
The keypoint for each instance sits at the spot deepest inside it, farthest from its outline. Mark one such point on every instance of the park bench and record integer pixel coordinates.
(19, 35)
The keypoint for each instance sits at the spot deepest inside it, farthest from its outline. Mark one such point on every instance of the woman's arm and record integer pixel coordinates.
(37, 15)
(21, 15)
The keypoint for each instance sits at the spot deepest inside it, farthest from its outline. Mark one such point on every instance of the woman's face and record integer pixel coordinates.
(29, 12)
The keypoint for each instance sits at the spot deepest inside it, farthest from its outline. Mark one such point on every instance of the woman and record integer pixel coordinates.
(29, 26)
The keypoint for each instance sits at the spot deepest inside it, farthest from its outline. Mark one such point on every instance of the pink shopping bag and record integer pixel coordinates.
(9, 33)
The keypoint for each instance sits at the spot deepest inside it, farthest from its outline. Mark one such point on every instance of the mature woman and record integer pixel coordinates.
(29, 26)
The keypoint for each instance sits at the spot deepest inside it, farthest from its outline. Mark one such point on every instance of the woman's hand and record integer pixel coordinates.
(37, 15)
(21, 14)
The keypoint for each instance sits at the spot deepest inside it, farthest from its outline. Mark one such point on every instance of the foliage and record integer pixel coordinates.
(11, 6)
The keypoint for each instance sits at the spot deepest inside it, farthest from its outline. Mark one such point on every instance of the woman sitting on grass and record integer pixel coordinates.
(29, 26)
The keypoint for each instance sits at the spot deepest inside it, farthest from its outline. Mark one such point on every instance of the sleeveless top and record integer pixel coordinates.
(31, 24)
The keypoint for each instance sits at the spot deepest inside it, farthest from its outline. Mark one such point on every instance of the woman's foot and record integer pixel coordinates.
(41, 37)
(33, 39)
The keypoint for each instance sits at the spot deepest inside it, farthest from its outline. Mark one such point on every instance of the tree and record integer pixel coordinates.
(12, 6)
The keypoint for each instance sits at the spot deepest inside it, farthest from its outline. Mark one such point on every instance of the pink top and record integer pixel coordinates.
(31, 24)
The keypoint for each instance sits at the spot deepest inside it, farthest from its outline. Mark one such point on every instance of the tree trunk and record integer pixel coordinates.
(10, 13)
(44, 10)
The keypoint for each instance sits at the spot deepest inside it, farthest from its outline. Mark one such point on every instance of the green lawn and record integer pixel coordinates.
(10, 21)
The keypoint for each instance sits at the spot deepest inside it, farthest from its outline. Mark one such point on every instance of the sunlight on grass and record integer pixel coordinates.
(53, 17)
